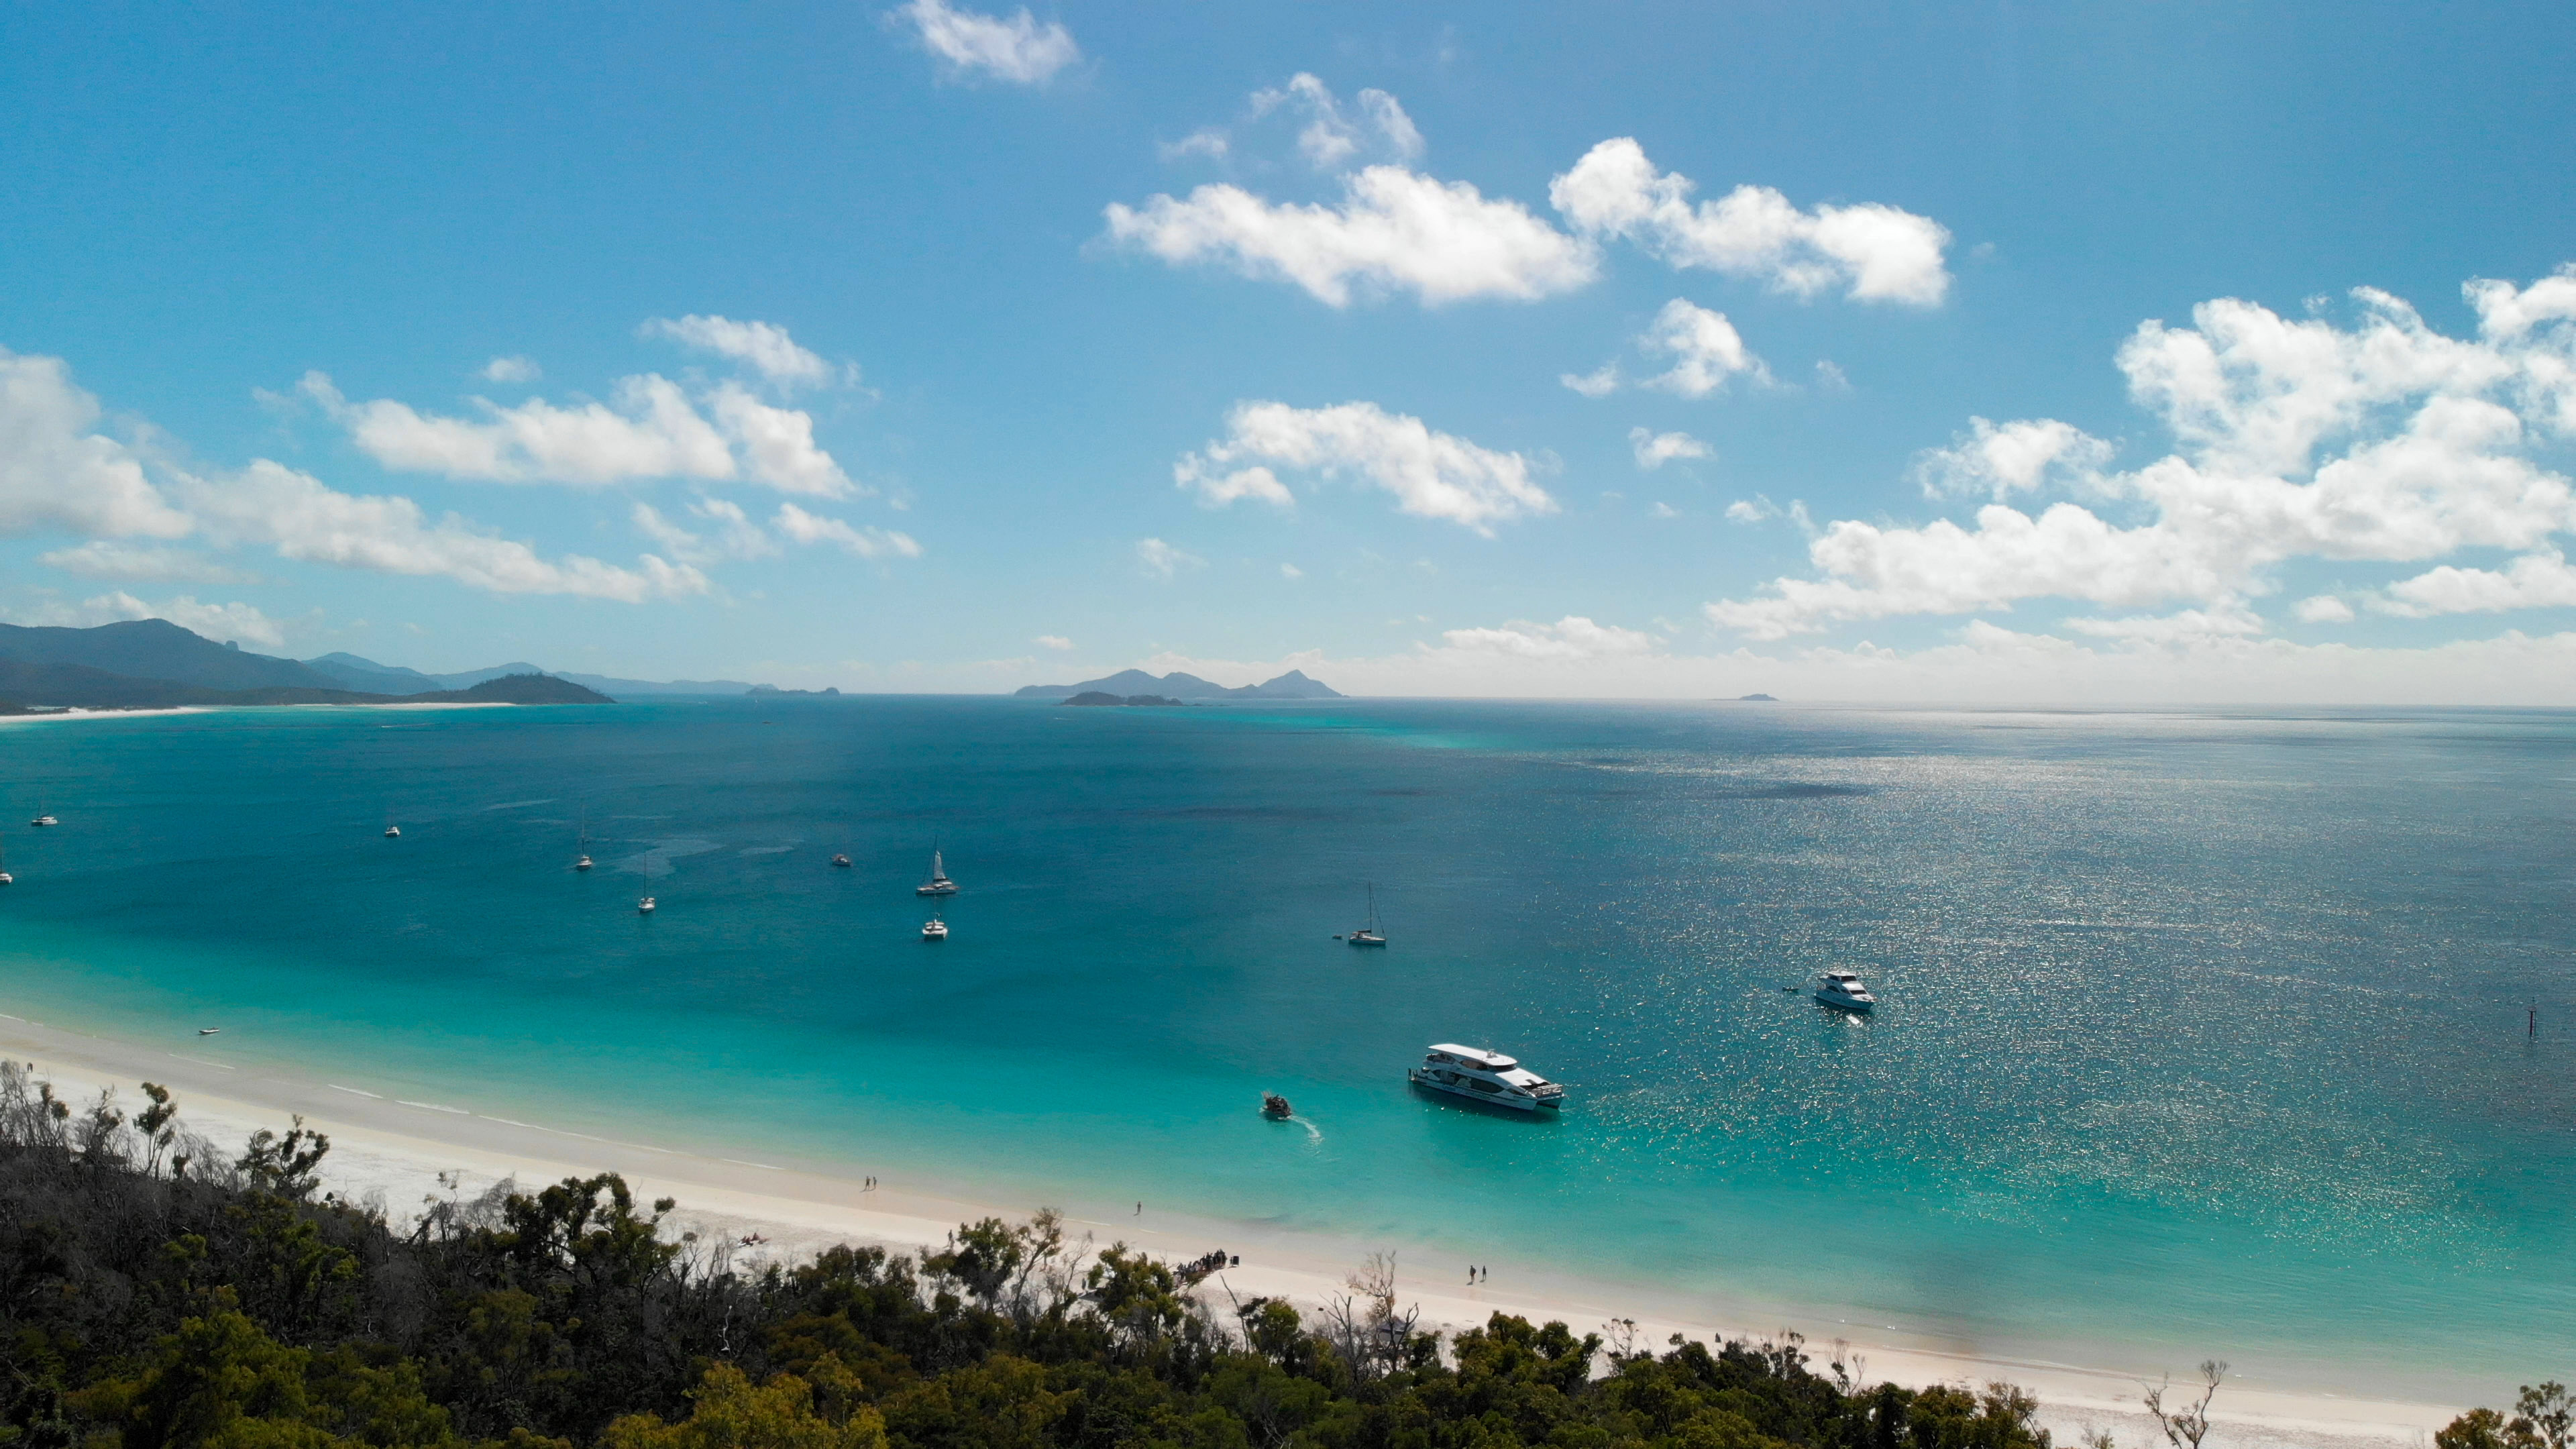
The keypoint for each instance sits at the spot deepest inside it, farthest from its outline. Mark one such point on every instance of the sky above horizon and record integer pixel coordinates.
(1975, 352)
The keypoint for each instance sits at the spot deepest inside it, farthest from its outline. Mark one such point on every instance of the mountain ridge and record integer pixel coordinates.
(1178, 685)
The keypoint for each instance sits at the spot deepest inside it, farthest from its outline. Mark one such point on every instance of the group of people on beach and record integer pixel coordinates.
(1477, 1275)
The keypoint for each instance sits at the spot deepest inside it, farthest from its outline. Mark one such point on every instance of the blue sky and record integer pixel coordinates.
(947, 347)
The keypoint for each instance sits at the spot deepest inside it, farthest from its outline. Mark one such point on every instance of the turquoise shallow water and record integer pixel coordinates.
(2204, 1032)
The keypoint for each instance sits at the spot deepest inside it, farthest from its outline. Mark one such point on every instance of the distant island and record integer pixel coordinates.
(1101, 697)
(155, 664)
(1180, 687)
(1756, 699)
(766, 691)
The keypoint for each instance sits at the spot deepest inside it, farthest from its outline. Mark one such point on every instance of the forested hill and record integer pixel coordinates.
(158, 1293)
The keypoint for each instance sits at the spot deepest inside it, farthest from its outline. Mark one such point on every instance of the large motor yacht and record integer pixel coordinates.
(1842, 991)
(1483, 1076)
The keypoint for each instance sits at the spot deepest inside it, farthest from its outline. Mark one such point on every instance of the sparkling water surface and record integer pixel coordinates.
(2204, 1032)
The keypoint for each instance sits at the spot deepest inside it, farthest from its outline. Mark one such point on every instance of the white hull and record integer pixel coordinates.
(1841, 1002)
(1517, 1103)
(936, 888)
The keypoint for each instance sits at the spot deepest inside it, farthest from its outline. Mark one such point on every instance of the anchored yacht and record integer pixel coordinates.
(44, 819)
(1484, 1076)
(841, 861)
(5, 877)
(1842, 991)
(644, 907)
(939, 884)
(934, 929)
(1369, 935)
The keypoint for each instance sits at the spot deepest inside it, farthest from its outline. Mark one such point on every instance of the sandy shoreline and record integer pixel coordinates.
(393, 1150)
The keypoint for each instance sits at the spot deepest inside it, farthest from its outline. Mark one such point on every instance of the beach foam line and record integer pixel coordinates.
(763, 1166)
(353, 1091)
(431, 1107)
(174, 1056)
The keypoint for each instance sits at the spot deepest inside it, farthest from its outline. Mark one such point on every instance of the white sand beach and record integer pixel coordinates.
(394, 1151)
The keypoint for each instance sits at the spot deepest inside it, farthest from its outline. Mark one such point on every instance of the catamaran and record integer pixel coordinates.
(934, 929)
(1369, 935)
(1483, 1076)
(939, 884)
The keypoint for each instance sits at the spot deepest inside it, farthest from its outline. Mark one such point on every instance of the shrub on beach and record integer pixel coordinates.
(158, 1294)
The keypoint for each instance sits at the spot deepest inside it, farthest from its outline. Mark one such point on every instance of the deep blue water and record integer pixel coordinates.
(2205, 1031)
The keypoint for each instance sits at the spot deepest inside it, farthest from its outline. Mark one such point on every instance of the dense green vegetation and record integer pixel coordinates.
(156, 1293)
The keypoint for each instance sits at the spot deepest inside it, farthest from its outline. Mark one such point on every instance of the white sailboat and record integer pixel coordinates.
(644, 907)
(5, 877)
(392, 831)
(1369, 935)
(939, 884)
(934, 929)
(581, 856)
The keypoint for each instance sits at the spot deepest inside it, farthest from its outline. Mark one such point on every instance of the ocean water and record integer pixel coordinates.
(2205, 1032)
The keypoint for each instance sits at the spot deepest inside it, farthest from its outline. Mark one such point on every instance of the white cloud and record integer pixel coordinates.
(1331, 137)
(103, 559)
(1208, 141)
(2324, 609)
(764, 345)
(730, 533)
(2534, 581)
(1663, 510)
(865, 542)
(778, 445)
(1431, 474)
(294, 513)
(58, 476)
(2381, 441)
(1705, 348)
(2015, 458)
(1018, 49)
(1752, 510)
(238, 623)
(1394, 230)
(1830, 378)
(1879, 253)
(1161, 560)
(655, 431)
(1655, 449)
(1600, 382)
(1291, 571)
(511, 369)
(1572, 637)
(1052, 641)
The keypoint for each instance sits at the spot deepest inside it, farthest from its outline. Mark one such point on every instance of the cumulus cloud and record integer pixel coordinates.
(1572, 637)
(1161, 560)
(654, 431)
(2014, 458)
(1291, 572)
(869, 542)
(1052, 641)
(1393, 231)
(106, 559)
(511, 369)
(1600, 382)
(2378, 441)
(2324, 609)
(303, 519)
(724, 532)
(1655, 449)
(240, 623)
(57, 474)
(1209, 141)
(969, 44)
(1431, 474)
(2534, 581)
(1874, 252)
(1333, 136)
(764, 346)
(1705, 349)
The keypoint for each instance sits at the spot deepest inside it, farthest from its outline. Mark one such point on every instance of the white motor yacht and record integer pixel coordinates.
(44, 819)
(1484, 1076)
(939, 884)
(934, 929)
(1842, 990)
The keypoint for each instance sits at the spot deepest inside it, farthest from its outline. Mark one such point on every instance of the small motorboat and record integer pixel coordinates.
(644, 907)
(840, 862)
(43, 820)
(208, 1030)
(1842, 991)
(1275, 1107)
(934, 929)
